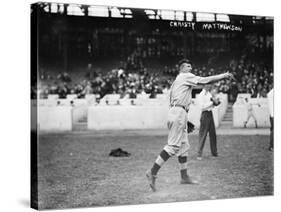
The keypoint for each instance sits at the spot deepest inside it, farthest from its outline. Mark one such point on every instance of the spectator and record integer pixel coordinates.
(270, 96)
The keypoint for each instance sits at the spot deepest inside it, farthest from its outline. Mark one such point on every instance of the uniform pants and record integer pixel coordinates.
(251, 114)
(271, 132)
(207, 125)
(177, 138)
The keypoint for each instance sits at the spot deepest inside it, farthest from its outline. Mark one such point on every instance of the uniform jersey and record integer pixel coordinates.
(181, 89)
(249, 106)
(180, 94)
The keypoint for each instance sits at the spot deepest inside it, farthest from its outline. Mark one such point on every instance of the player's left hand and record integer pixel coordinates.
(190, 127)
(215, 101)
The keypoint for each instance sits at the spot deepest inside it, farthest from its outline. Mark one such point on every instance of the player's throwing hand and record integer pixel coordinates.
(229, 76)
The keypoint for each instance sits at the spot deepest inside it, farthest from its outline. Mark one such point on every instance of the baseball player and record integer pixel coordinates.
(250, 111)
(180, 99)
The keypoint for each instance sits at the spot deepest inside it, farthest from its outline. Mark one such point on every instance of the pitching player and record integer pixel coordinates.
(180, 99)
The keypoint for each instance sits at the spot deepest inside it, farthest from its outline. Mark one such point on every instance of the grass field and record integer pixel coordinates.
(76, 171)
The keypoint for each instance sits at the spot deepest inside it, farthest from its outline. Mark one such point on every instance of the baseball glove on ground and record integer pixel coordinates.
(190, 127)
(119, 153)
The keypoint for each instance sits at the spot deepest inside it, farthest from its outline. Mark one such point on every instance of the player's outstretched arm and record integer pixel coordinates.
(215, 78)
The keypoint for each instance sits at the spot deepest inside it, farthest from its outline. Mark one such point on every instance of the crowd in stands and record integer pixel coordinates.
(252, 76)
(116, 81)
(133, 77)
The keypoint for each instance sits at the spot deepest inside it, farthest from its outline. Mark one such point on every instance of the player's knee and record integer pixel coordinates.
(184, 154)
(171, 150)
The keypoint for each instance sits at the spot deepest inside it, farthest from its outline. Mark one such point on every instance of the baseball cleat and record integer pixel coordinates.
(151, 180)
(188, 180)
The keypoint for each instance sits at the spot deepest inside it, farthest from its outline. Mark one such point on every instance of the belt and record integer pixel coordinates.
(183, 107)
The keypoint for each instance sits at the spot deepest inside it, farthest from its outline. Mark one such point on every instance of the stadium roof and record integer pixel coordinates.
(153, 14)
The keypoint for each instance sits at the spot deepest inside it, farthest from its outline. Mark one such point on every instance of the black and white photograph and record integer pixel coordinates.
(140, 105)
(134, 106)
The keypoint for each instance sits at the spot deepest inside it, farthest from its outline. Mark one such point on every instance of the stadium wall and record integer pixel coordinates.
(58, 118)
(260, 110)
(61, 117)
(104, 117)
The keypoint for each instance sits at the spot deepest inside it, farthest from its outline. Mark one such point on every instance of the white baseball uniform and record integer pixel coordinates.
(180, 100)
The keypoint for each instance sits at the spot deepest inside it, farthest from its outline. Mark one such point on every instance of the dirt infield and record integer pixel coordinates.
(76, 171)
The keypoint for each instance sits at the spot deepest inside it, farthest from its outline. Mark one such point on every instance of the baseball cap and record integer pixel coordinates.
(184, 61)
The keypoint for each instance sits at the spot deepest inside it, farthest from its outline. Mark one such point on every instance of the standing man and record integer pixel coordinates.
(207, 101)
(180, 99)
(250, 111)
(270, 106)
